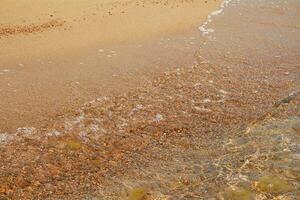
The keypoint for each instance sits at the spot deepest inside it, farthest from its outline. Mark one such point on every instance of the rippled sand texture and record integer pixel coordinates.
(226, 127)
(55, 55)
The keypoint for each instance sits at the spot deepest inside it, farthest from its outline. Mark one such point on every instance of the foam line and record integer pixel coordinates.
(203, 29)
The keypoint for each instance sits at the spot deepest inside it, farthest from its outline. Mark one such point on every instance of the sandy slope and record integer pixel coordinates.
(85, 24)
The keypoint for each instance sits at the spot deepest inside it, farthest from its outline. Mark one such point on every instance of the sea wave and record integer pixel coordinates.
(203, 28)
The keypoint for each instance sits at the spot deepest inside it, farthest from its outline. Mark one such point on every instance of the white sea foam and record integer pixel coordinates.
(5, 137)
(26, 131)
(21, 132)
(203, 28)
(53, 133)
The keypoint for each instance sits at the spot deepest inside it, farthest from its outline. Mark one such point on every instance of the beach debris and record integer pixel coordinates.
(31, 28)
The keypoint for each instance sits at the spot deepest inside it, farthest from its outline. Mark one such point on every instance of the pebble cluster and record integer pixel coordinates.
(166, 138)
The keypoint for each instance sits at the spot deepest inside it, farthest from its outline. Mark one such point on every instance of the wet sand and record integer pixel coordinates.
(62, 54)
(225, 127)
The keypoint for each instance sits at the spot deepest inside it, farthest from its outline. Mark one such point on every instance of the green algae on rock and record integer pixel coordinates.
(273, 184)
(73, 145)
(238, 193)
(96, 162)
(137, 194)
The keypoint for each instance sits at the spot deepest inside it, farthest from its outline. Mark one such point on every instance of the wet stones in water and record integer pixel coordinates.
(296, 128)
(137, 194)
(237, 193)
(73, 145)
(286, 100)
(289, 166)
(273, 184)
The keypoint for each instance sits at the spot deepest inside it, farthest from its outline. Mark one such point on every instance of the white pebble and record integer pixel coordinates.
(206, 101)
(158, 118)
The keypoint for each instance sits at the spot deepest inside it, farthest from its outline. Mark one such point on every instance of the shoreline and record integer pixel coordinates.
(224, 126)
(110, 23)
(41, 78)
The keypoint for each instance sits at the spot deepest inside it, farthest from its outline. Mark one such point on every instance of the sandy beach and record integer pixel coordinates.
(149, 99)
(62, 54)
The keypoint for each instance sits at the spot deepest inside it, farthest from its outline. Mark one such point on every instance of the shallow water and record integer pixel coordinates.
(225, 128)
(93, 48)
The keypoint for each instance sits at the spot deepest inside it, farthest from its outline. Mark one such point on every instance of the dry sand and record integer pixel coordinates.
(56, 55)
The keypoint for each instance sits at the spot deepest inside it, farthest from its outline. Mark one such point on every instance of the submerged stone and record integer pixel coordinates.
(73, 145)
(273, 184)
(96, 162)
(137, 194)
(238, 193)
